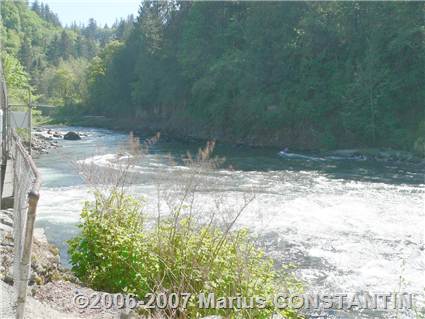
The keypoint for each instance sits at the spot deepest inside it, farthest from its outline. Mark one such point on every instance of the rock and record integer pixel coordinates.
(346, 153)
(8, 278)
(41, 143)
(384, 155)
(45, 261)
(41, 137)
(6, 246)
(72, 136)
(58, 135)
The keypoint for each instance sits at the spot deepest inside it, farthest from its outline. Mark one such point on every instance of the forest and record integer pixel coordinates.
(50, 60)
(308, 75)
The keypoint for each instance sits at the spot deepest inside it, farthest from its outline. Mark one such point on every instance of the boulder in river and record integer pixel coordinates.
(72, 136)
(346, 153)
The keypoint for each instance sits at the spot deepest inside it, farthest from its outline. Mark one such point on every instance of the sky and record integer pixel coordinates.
(103, 11)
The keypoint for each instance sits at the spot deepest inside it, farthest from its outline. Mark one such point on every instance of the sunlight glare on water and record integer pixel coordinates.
(346, 226)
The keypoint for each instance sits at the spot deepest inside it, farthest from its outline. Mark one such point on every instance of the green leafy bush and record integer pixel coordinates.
(118, 250)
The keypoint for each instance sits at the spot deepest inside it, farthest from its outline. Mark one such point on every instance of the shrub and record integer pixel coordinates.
(111, 252)
(119, 251)
(185, 248)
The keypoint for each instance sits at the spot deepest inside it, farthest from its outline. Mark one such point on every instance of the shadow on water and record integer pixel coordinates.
(325, 231)
(247, 158)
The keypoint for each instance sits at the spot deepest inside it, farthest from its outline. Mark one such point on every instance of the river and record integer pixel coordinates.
(347, 225)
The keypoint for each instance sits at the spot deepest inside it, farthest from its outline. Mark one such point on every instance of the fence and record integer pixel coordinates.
(3, 109)
(26, 185)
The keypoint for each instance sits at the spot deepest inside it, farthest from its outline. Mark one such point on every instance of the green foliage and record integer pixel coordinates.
(55, 58)
(118, 250)
(38, 119)
(304, 74)
(65, 84)
(300, 74)
(111, 252)
(17, 79)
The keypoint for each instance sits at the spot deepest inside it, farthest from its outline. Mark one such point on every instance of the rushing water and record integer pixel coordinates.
(348, 225)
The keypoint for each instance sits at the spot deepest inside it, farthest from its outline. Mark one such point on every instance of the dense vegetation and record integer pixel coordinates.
(42, 56)
(178, 245)
(300, 74)
(118, 251)
(303, 74)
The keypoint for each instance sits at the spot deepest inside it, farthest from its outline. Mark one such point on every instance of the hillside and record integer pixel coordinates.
(305, 75)
(40, 54)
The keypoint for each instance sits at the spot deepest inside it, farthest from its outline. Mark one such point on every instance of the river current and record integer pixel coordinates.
(347, 225)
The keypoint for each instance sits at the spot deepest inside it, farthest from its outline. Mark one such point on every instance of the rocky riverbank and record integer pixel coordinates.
(42, 143)
(52, 289)
(174, 131)
(45, 263)
(44, 139)
(380, 155)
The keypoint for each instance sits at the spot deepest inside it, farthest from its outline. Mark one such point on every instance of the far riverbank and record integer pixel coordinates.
(190, 134)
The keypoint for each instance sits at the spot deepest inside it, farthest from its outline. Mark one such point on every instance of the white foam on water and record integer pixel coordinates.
(345, 235)
(371, 234)
(62, 204)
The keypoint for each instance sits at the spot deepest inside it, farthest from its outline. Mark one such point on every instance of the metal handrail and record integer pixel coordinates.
(27, 182)
(29, 160)
(23, 240)
(4, 144)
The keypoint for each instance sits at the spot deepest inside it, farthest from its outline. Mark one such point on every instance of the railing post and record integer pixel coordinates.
(30, 121)
(5, 115)
(24, 173)
(25, 260)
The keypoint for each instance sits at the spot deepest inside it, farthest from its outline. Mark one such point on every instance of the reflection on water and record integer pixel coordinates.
(347, 225)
